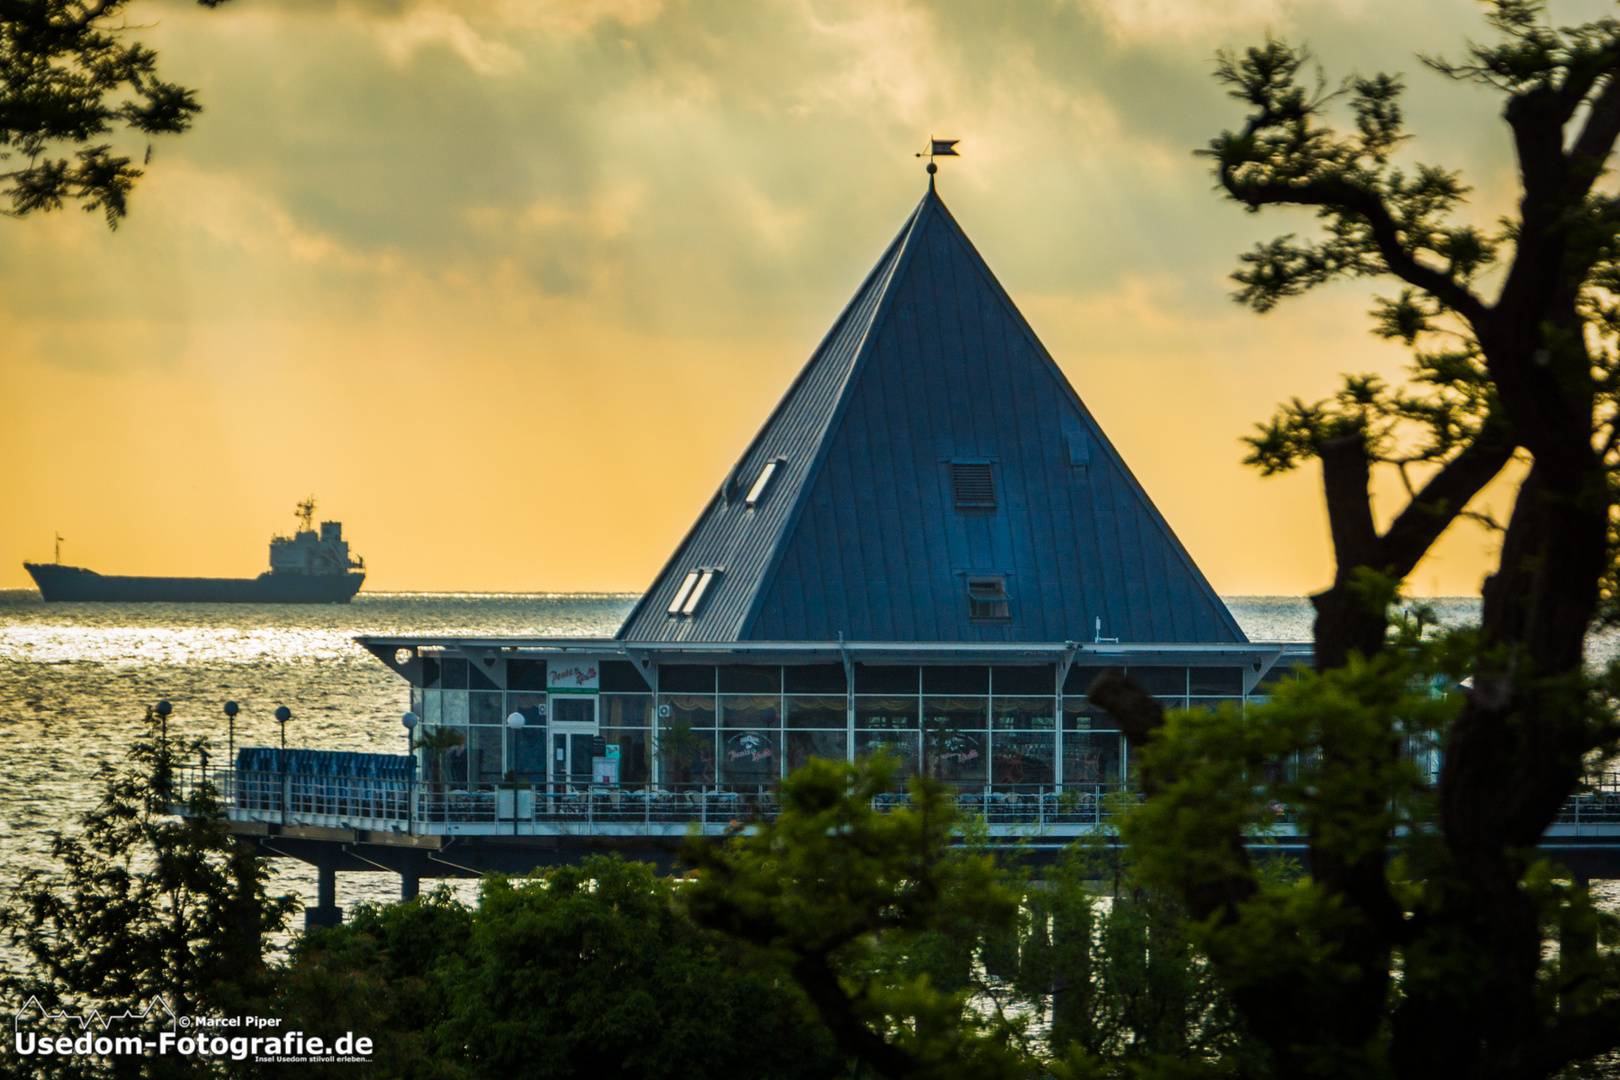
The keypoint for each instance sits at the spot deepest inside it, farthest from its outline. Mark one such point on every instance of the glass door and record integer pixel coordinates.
(574, 733)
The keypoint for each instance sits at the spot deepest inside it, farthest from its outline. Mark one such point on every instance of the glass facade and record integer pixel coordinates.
(746, 726)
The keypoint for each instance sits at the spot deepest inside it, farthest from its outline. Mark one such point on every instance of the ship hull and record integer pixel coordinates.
(59, 583)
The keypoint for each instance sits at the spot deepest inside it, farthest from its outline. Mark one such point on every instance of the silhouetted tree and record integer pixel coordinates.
(145, 903)
(1431, 961)
(68, 77)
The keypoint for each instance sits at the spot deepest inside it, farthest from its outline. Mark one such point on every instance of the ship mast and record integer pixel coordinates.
(306, 514)
(59, 548)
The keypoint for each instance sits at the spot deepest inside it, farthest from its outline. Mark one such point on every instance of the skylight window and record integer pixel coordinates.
(699, 591)
(763, 482)
(987, 597)
(682, 593)
(972, 485)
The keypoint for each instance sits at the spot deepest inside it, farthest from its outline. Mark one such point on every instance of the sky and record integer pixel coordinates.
(508, 286)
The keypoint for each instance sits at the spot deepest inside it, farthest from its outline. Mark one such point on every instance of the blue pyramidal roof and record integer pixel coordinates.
(935, 479)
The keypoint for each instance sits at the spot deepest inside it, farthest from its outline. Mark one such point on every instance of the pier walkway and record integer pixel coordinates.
(421, 830)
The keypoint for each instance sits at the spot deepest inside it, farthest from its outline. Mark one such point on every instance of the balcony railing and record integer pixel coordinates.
(357, 802)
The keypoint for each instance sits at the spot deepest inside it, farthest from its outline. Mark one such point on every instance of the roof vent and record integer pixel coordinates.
(763, 482)
(987, 597)
(972, 485)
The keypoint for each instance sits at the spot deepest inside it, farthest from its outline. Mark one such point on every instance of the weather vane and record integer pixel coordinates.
(939, 148)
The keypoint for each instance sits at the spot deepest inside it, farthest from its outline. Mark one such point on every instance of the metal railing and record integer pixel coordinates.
(367, 802)
(407, 806)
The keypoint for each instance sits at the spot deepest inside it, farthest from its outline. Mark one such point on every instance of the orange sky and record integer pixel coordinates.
(508, 286)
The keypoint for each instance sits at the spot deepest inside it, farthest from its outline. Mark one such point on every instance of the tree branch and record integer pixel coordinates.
(1385, 233)
(1445, 497)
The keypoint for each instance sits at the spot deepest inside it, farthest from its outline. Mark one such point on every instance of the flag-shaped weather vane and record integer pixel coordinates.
(939, 148)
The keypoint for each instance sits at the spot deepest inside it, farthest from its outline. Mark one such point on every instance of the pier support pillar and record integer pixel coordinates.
(410, 886)
(325, 912)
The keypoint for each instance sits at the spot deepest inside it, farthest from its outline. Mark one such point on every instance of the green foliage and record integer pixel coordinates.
(67, 79)
(146, 904)
(923, 959)
(1340, 758)
(873, 913)
(580, 971)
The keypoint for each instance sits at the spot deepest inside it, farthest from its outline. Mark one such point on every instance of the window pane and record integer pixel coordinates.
(1023, 757)
(1080, 677)
(1023, 713)
(633, 746)
(484, 754)
(479, 676)
(1226, 682)
(432, 713)
(1081, 715)
(957, 679)
(622, 676)
(626, 710)
(749, 679)
(804, 745)
(816, 712)
(886, 713)
(1032, 679)
(573, 710)
(685, 679)
(955, 754)
(454, 704)
(529, 752)
(453, 673)
(693, 710)
(532, 706)
(751, 757)
(899, 744)
(430, 671)
(484, 707)
(686, 755)
(757, 711)
(1161, 682)
(1091, 757)
(956, 712)
(883, 679)
(814, 679)
(525, 675)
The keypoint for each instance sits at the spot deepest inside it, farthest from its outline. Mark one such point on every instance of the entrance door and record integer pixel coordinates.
(574, 735)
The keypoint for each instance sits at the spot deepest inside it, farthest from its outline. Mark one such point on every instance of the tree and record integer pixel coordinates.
(586, 970)
(146, 904)
(1438, 881)
(923, 958)
(67, 79)
(872, 913)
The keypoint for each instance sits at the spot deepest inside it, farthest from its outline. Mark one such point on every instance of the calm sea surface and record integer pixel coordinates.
(75, 680)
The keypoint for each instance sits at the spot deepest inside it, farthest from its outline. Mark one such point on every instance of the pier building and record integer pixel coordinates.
(930, 548)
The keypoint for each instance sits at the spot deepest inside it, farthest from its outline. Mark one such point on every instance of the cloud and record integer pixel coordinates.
(466, 218)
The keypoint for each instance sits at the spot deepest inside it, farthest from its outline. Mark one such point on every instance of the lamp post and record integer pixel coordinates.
(231, 709)
(283, 714)
(515, 722)
(163, 710)
(410, 720)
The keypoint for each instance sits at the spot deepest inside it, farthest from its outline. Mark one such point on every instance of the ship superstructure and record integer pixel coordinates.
(305, 552)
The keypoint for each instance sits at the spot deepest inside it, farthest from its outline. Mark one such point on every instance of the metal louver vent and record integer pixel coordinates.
(987, 597)
(972, 485)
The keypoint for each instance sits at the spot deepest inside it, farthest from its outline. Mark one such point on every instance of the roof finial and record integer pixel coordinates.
(938, 148)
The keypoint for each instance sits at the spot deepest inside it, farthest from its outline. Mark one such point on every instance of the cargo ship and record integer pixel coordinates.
(305, 568)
